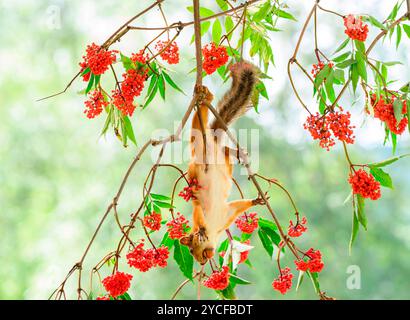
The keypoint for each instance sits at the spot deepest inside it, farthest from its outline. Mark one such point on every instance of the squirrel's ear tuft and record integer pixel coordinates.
(186, 241)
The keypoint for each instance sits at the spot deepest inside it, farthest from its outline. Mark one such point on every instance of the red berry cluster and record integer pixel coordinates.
(218, 280)
(188, 192)
(145, 259)
(177, 228)
(316, 68)
(214, 57)
(95, 104)
(313, 264)
(247, 223)
(169, 51)
(126, 107)
(355, 28)
(103, 298)
(140, 57)
(86, 76)
(133, 83)
(321, 128)
(298, 229)
(153, 221)
(117, 284)
(385, 112)
(97, 59)
(284, 282)
(365, 184)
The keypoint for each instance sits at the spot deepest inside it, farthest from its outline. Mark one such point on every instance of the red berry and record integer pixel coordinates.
(169, 51)
(133, 83)
(117, 284)
(298, 229)
(145, 259)
(126, 107)
(177, 228)
(316, 68)
(247, 223)
(95, 104)
(103, 298)
(314, 264)
(355, 28)
(97, 59)
(214, 57)
(188, 192)
(140, 57)
(284, 282)
(218, 280)
(385, 112)
(153, 221)
(365, 184)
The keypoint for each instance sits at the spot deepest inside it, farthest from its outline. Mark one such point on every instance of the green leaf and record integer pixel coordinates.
(229, 25)
(354, 76)
(398, 36)
(90, 83)
(222, 4)
(203, 12)
(161, 86)
(163, 204)
(266, 242)
(286, 15)
(361, 66)
(382, 176)
(343, 45)
(374, 22)
(127, 62)
(159, 196)
(393, 141)
(406, 29)
(216, 31)
(125, 296)
(237, 280)
(314, 276)
(360, 46)
(152, 91)
(345, 63)
(263, 11)
(86, 70)
(355, 231)
(184, 259)
(167, 241)
(267, 224)
(388, 161)
(361, 214)
(342, 57)
(398, 110)
(300, 279)
(339, 76)
(129, 130)
(228, 293)
(171, 82)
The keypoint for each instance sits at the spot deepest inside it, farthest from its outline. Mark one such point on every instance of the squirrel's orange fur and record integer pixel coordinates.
(211, 165)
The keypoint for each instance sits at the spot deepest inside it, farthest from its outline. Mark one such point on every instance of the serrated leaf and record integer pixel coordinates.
(286, 15)
(171, 82)
(184, 259)
(374, 22)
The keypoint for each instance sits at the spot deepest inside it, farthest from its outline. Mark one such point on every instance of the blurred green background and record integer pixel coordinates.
(57, 175)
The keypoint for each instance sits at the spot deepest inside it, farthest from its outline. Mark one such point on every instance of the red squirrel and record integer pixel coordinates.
(212, 167)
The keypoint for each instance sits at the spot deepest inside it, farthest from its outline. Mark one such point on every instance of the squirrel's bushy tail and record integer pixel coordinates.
(236, 101)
